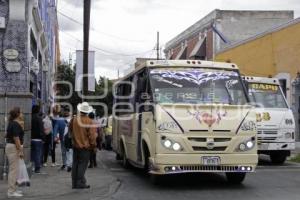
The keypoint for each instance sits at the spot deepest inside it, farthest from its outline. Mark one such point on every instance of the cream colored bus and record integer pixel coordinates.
(185, 116)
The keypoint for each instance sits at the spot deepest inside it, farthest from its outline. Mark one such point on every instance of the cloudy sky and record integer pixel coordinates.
(122, 30)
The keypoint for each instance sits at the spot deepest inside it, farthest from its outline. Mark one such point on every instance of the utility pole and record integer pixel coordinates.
(157, 46)
(70, 59)
(86, 33)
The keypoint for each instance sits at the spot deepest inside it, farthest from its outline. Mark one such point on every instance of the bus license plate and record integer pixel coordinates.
(211, 160)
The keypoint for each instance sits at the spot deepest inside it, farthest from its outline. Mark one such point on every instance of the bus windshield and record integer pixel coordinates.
(197, 86)
(267, 95)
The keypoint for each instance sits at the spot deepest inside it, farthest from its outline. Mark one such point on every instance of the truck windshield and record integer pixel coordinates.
(197, 86)
(267, 95)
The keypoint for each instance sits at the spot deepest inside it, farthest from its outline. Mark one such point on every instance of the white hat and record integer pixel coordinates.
(84, 107)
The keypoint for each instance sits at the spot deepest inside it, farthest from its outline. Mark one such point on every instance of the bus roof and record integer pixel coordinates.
(255, 79)
(181, 63)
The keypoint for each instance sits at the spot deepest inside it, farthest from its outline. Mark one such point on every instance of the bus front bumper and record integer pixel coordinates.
(193, 163)
(267, 146)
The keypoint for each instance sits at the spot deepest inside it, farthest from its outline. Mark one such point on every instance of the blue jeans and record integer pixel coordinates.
(36, 154)
(69, 155)
(63, 153)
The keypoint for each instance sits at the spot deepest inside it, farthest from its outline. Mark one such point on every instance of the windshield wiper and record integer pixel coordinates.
(229, 95)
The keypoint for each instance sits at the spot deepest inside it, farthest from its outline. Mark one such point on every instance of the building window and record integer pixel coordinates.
(31, 87)
(33, 45)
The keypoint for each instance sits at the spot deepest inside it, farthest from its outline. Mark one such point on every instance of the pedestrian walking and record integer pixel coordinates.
(84, 140)
(14, 149)
(68, 143)
(58, 132)
(108, 134)
(37, 138)
(48, 127)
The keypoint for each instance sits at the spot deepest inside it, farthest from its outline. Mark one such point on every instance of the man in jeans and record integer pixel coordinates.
(37, 137)
(59, 125)
(84, 137)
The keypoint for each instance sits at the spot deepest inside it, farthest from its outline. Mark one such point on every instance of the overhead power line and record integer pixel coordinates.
(97, 31)
(106, 51)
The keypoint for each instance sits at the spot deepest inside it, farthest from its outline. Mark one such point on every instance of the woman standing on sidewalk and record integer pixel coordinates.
(14, 149)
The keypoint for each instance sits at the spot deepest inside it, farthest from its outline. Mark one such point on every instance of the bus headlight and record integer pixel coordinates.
(288, 135)
(167, 143)
(247, 145)
(242, 147)
(172, 145)
(250, 144)
(176, 146)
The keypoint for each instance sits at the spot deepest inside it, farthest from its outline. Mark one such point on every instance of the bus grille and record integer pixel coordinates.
(209, 144)
(266, 138)
(201, 168)
(267, 131)
(206, 149)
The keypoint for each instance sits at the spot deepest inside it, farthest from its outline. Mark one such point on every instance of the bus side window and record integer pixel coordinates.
(143, 92)
(123, 98)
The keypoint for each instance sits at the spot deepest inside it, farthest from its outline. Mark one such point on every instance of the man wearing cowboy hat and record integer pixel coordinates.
(84, 139)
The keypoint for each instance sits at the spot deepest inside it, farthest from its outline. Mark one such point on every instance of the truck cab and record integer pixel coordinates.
(275, 120)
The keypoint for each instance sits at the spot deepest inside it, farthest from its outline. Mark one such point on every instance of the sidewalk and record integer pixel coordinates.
(56, 185)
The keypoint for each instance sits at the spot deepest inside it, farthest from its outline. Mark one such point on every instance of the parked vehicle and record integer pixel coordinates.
(185, 116)
(275, 120)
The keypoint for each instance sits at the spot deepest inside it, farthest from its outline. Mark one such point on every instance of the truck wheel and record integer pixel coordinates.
(235, 178)
(278, 158)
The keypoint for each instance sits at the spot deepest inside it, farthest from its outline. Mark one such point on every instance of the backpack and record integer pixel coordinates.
(47, 125)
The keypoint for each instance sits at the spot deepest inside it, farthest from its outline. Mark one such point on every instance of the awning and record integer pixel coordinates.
(182, 54)
(199, 49)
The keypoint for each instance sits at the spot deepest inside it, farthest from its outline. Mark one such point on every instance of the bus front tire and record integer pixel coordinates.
(278, 158)
(125, 162)
(235, 178)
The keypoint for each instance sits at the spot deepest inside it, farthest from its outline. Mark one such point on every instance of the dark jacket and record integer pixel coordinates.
(37, 127)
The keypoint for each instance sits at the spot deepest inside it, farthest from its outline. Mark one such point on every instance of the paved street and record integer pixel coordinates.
(269, 182)
(111, 181)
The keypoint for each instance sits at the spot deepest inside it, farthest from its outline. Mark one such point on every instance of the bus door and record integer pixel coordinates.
(139, 81)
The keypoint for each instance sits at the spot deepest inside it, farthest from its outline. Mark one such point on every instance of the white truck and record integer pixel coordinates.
(275, 120)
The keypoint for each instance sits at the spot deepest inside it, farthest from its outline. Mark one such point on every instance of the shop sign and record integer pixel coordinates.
(13, 66)
(10, 54)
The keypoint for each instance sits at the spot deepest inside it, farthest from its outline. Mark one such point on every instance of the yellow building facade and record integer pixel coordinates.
(274, 53)
(268, 54)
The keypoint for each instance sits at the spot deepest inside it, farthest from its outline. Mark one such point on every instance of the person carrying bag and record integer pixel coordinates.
(14, 150)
